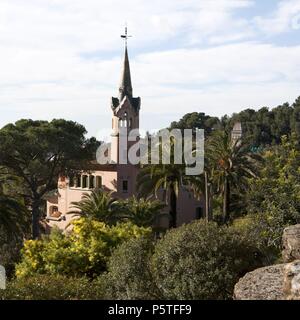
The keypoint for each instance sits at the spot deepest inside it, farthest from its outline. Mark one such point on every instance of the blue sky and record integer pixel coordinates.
(62, 58)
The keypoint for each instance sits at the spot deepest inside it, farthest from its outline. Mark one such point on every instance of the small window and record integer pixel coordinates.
(53, 209)
(98, 182)
(78, 182)
(84, 182)
(71, 182)
(125, 186)
(125, 120)
(92, 182)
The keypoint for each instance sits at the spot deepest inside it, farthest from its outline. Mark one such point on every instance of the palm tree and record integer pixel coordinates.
(162, 177)
(99, 205)
(232, 164)
(143, 212)
(14, 217)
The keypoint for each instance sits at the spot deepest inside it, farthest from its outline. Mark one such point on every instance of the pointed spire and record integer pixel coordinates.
(125, 83)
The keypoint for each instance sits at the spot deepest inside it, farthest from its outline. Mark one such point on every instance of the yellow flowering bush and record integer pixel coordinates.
(83, 252)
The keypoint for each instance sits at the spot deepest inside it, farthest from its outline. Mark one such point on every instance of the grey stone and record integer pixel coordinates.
(261, 284)
(291, 243)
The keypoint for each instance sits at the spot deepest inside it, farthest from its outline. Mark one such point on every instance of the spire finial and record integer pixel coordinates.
(125, 36)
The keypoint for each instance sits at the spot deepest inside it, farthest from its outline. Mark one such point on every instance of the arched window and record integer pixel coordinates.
(130, 123)
(92, 182)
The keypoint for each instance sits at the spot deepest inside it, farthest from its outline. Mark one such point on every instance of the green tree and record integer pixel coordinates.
(129, 276)
(144, 212)
(37, 152)
(164, 178)
(202, 261)
(197, 120)
(99, 205)
(273, 199)
(232, 166)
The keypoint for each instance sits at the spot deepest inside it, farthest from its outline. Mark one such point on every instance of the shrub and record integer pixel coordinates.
(49, 287)
(128, 275)
(201, 261)
(84, 252)
(262, 233)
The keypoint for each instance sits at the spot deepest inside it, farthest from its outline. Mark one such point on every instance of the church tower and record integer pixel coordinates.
(125, 108)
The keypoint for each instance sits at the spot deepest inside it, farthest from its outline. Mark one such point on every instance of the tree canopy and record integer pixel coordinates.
(37, 152)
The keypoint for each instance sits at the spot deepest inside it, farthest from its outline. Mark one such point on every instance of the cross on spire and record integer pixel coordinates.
(125, 36)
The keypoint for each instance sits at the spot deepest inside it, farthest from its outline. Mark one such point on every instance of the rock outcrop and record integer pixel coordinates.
(291, 243)
(261, 284)
(277, 282)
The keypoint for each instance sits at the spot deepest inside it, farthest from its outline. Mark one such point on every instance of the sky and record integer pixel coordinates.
(62, 58)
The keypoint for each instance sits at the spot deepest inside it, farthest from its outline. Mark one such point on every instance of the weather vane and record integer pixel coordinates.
(125, 36)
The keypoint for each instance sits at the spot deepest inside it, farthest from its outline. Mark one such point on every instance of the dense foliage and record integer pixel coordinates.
(272, 202)
(264, 127)
(201, 261)
(129, 275)
(51, 287)
(36, 152)
(196, 261)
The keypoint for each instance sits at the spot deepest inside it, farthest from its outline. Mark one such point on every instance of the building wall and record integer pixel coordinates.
(68, 194)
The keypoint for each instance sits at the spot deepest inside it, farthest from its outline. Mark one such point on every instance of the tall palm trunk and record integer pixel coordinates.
(173, 208)
(226, 200)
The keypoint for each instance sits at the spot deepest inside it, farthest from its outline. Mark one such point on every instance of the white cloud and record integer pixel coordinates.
(44, 73)
(285, 18)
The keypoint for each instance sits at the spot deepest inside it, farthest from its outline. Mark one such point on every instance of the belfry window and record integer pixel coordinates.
(125, 119)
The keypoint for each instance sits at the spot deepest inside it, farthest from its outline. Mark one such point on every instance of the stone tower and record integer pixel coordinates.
(125, 110)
